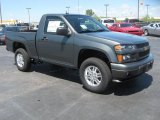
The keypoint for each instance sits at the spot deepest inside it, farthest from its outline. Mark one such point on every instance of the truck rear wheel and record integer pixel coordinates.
(22, 60)
(95, 75)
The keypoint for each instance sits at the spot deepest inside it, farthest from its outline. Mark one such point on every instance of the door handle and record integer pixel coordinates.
(45, 38)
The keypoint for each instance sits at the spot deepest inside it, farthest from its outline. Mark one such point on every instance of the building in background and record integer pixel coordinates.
(11, 22)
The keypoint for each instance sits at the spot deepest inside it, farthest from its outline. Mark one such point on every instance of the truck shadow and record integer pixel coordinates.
(130, 87)
(58, 72)
(119, 89)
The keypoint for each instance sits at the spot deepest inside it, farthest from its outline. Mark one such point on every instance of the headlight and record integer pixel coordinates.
(124, 47)
(122, 52)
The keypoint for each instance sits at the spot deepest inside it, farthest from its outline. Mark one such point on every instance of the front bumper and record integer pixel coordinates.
(130, 70)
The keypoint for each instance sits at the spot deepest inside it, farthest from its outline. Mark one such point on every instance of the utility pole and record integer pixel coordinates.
(106, 9)
(78, 6)
(138, 9)
(68, 9)
(147, 9)
(0, 12)
(28, 9)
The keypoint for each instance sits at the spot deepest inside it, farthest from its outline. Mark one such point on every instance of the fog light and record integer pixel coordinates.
(126, 57)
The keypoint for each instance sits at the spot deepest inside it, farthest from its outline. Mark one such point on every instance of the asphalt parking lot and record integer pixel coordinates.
(49, 92)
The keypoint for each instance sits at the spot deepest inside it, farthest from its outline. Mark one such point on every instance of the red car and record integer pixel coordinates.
(126, 28)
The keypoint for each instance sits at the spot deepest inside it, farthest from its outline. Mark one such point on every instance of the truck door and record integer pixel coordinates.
(55, 48)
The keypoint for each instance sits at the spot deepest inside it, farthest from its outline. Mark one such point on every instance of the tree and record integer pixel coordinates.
(90, 12)
(146, 18)
(96, 17)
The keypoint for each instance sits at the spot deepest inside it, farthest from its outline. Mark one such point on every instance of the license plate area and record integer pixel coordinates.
(146, 67)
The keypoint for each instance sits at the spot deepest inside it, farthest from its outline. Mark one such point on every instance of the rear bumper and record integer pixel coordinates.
(130, 70)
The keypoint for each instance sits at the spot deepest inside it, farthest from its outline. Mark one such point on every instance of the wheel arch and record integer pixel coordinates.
(17, 45)
(87, 53)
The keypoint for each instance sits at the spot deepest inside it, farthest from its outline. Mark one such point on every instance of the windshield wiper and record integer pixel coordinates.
(86, 31)
(101, 30)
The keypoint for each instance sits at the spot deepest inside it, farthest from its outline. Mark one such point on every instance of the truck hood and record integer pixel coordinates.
(119, 38)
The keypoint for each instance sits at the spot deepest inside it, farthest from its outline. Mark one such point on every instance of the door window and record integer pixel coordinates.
(52, 23)
(156, 25)
(152, 25)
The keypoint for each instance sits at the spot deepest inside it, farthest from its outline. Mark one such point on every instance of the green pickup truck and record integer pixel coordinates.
(81, 42)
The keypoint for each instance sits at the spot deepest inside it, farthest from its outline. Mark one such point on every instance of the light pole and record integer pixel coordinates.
(78, 6)
(138, 9)
(106, 9)
(68, 9)
(147, 9)
(0, 12)
(28, 9)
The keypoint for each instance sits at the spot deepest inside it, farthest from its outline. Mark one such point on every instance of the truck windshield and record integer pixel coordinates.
(85, 24)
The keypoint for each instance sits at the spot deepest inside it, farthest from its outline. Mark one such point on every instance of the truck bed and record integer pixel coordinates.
(27, 38)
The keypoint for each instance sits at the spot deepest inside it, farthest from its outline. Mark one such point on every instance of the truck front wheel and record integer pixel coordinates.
(22, 60)
(95, 75)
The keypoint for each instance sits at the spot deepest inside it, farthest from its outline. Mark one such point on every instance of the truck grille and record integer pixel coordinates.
(145, 52)
(142, 45)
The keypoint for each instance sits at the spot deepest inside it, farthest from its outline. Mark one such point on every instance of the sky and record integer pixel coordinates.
(16, 9)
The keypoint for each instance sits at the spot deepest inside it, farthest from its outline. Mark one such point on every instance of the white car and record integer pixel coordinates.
(107, 21)
(152, 29)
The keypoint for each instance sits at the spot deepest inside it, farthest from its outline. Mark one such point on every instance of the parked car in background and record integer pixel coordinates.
(15, 29)
(152, 29)
(107, 21)
(136, 22)
(10, 28)
(126, 28)
(2, 37)
(2, 26)
(24, 25)
(35, 27)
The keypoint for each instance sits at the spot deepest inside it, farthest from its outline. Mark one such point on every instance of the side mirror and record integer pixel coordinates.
(63, 31)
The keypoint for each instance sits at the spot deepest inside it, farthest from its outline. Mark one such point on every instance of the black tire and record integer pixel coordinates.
(105, 73)
(26, 60)
(146, 32)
